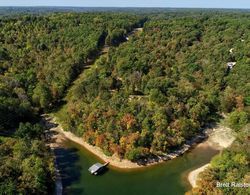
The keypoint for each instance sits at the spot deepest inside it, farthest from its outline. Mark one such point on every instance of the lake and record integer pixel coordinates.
(166, 178)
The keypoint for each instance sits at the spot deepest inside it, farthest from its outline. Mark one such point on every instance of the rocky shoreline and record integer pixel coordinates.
(189, 144)
(114, 160)
(53, 141)
(219, 138)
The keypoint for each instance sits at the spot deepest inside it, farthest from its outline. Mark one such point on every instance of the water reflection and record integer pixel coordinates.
(67, 159)
(165, 178)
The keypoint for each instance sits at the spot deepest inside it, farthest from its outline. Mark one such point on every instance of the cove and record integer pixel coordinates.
(166, 178)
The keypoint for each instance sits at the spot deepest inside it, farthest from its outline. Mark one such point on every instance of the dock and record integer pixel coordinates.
(96, 168)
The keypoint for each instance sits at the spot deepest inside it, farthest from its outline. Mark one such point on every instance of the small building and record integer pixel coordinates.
(97, 168)
(231, 64)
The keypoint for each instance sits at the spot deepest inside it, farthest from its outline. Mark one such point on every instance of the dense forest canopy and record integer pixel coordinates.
(26, 165)
(151, 92)
(157, 90)
(41, 55)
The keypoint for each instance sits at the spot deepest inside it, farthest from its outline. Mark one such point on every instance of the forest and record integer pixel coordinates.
(146, 96)
(27, 165)
(40, 56)
(232, 165)
(154, 92)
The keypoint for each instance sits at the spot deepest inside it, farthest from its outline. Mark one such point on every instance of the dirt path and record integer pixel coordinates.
(220, 137)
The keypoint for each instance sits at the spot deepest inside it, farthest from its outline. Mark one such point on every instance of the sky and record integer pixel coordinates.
(131, 3)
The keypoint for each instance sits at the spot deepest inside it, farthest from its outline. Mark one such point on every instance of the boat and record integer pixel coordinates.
(97, 168)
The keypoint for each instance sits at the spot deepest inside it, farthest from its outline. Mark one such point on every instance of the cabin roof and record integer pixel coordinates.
(95, 167)
(231, 64)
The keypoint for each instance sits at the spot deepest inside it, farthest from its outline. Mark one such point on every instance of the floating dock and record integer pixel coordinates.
(96, 168)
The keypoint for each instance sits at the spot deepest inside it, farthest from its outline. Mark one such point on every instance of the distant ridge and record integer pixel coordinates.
(7, 10)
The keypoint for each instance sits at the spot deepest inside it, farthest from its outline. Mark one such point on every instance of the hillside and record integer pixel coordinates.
(154, 92)
(40, 57)
(165, 77)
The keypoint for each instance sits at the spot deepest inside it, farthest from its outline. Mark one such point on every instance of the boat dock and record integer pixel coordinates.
(96, 168)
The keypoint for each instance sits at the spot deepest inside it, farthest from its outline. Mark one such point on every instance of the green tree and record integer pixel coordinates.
(42, 95)
(237, 119)
(29, 131)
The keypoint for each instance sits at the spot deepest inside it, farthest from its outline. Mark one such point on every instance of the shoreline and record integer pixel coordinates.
(193, 176)
(219, 138)
(53, 142)
(114, 161)
(58, 182)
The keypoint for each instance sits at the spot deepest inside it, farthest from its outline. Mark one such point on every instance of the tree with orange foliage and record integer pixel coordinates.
(239, 102)
(128, 120)
(118, 150)
(99, 141)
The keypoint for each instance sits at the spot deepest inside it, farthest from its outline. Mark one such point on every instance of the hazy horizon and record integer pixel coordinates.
(65, 6)
(224, 4)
